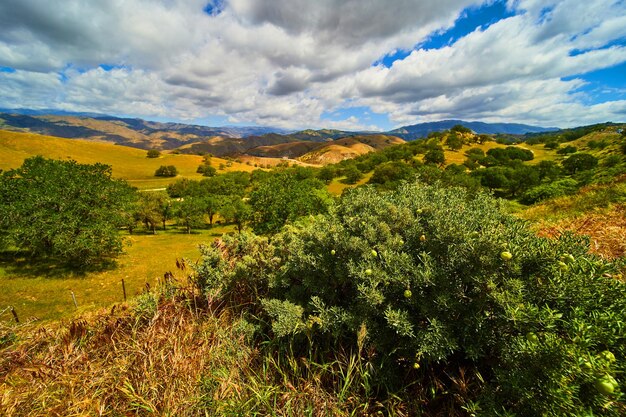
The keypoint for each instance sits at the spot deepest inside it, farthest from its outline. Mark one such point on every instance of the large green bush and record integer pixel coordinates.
(433, 281)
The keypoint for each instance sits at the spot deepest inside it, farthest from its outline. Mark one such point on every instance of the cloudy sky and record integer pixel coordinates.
(350, 64)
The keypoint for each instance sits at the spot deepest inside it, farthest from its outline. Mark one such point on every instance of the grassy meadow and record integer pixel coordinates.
(43, 290)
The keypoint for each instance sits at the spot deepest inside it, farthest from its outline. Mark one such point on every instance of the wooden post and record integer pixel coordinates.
(74, 299)
(17, 319)
(124, 289)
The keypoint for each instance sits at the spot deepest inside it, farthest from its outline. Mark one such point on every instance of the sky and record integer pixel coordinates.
(295, 64)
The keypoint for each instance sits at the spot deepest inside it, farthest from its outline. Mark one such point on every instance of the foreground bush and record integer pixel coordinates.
(426, 283)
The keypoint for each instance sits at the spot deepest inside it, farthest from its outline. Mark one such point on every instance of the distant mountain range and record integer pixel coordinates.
(423, 129)
(220, 141)
(137, 133)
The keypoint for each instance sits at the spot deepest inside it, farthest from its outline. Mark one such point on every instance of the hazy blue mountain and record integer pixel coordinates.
(422, 130)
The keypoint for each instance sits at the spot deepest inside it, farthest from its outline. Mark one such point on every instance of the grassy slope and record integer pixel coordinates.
(336, 186)
(45, 292)
(128, 163)
(598, 211)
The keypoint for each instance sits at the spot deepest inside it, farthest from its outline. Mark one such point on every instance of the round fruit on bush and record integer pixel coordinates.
(333, 252)
(563, 266)
(586, 365)
(374, 253)
(604, 386)
(368, 271)
(506, 256)
(423, 238)
(407, 294)
(608, 356)
(532, 337)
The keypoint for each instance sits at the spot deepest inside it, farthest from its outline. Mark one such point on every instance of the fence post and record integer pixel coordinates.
(17, 319)
(74, 299)
(124, 288)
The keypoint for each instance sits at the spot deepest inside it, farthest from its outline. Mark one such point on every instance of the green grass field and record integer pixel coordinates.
(43, 291)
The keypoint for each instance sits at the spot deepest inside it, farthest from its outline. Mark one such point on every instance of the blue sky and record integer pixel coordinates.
(347, 64)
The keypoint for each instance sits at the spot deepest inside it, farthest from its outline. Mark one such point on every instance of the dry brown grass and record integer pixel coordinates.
(597, 211)
(118, 363)
(187, 357)
(606, 230)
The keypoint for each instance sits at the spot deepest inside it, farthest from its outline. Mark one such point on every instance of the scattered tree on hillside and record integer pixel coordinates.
(207, 170)
(212, 206)
(510, 153)
(391, 173)
(190, 213)
(154, 153)
(282, 198)
(236, 211)
(352, 174)
(64, 210)
(435, 156)
(454, 142)
(149, 211)
(166, 171)
(181, 187)
(327, 173)
(579, 162)
(166, 208)
(461, 129)
(549, 170)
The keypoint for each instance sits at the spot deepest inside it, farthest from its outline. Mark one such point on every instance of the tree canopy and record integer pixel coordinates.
(64, 209)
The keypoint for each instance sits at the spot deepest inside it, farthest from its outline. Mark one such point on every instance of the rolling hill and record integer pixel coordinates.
(129, 132)
(128, 163)
(347, 148)
(284, 150)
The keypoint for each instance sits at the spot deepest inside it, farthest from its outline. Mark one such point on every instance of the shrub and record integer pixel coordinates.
(567, 150)
(153, 153)
(598, 144)
(545, 191)
(434, 279)
(551, 145)
(612, 160)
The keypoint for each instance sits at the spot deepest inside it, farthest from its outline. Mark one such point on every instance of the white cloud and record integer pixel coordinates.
(510, 71)
(287, 62)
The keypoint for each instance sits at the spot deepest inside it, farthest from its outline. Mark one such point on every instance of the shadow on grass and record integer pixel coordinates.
(20, 264)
